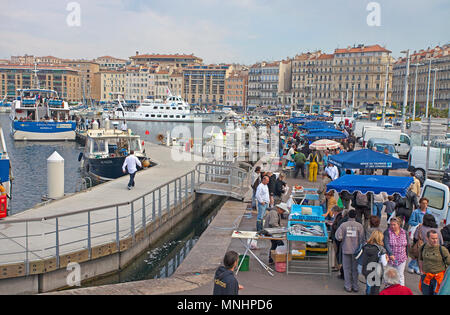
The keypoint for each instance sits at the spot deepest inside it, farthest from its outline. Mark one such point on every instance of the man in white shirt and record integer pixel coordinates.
(332, 171)
(263, 200)
(130, 164)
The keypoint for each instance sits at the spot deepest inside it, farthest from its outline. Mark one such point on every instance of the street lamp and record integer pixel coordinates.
(428, 89)
(386, 85)
(434, 86)
(415, 91)
(405, 95)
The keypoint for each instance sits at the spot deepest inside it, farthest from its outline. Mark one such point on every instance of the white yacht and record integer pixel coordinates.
(173, 109)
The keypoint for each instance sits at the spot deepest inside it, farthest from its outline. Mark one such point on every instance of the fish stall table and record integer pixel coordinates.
(249, 236)
(307, 224)
(300, 195)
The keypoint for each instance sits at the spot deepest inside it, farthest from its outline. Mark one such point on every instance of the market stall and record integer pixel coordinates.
(307, 240)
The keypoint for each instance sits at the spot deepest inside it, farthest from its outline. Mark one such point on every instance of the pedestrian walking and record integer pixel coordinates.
(263, 201)
(415, 187)
(374, 225)
(433, 262)
(322, 190)
(361, 204)
(313, 159)
(378, 201)
(373, 260)
(300, 161)
(351, 234)
(256, 180)
(396, 244)
(130, 166)
(280, 189)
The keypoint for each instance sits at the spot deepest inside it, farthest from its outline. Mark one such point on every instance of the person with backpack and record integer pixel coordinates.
(419, 238)
(433, 262)
(351, 234)
(361, 204)
(405, 206)
(373, 259)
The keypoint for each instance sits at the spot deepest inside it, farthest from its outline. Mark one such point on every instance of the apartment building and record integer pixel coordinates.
(108, 84)
(438, 60)
(263, 82)
(87, 70)
(137, 83)
(236, 89)
(205, 85)
(362, 69)
(176, 83)
(172, 61)
(64, 80)
(110, 63)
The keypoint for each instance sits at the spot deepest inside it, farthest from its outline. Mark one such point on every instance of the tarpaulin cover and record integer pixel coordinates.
(371, 183)
(367, 159)
(325, 134)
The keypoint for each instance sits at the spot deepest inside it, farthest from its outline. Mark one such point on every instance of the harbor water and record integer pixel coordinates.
(29, 160)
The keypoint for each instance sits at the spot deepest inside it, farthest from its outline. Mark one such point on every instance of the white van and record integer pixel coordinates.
(439, 197)
(402, 141)
(438, 162)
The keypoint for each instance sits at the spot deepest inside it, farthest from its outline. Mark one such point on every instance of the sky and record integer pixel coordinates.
(219, 31)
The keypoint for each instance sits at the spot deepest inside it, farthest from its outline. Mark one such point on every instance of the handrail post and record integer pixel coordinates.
(180, 200)
(89, 234)
(185, 186)
(117, 229)
(144, 218)
(175, 201)
(168, 198)
(132, 221)
(153, 206)
(27, 265)
(57, 242)
(160, 207)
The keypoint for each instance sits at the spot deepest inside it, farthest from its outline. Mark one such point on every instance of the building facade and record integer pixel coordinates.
(236, 89)
(263, 82)
(176, 83)
(110, 63)
(87, 70)
(137, 84)
(438, 60)
(64, 80)
(171, 61)
(205, 85)
(362, 69)
(109, 83)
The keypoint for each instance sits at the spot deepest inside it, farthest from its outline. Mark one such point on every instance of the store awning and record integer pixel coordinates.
(371, 183)
(367, 159)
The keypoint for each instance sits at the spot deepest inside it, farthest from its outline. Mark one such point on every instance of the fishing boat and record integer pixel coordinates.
(5, 105)
(5, 176)
(105, 152)
(172, 109)
(39, 114)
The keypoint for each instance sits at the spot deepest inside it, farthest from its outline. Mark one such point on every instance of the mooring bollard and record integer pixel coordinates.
(55, 176)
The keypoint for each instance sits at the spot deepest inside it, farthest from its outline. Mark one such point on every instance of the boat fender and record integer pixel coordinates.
(80, 156)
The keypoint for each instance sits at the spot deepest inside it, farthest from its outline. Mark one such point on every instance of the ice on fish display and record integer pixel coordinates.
(303, 230)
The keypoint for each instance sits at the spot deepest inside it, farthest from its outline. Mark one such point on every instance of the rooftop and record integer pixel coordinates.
(362, 48)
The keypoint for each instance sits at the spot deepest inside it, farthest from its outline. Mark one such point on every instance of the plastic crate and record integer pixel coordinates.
(300, 238)
(317, 213)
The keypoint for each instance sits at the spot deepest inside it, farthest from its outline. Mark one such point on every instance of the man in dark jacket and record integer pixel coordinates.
(225, 283)
(280, 188)
(271, 186)
(445, 232)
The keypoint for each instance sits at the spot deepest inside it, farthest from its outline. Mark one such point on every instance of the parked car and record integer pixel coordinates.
(380, 144)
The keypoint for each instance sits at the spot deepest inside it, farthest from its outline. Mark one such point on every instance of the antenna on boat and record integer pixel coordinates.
(36, 79)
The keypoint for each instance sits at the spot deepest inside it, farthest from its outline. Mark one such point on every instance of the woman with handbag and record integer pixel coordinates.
(396, 243)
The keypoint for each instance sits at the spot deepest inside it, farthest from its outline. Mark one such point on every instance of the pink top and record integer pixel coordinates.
(398, 245)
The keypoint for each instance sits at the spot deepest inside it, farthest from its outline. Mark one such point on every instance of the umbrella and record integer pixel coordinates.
(367, 159)
(371, 183)
(325, 144)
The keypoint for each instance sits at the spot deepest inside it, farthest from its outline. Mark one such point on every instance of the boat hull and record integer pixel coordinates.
(207, 118)
(43, 131)
(106, 169)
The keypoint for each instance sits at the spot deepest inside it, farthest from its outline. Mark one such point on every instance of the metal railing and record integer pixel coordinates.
(50, 237)
(224, 179)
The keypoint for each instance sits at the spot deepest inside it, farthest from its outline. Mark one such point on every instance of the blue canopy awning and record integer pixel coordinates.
(325, 134)
(367, 159)
(317, 125)
(371, 183)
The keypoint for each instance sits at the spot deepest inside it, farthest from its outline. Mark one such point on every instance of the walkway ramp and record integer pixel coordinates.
(224, 179)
